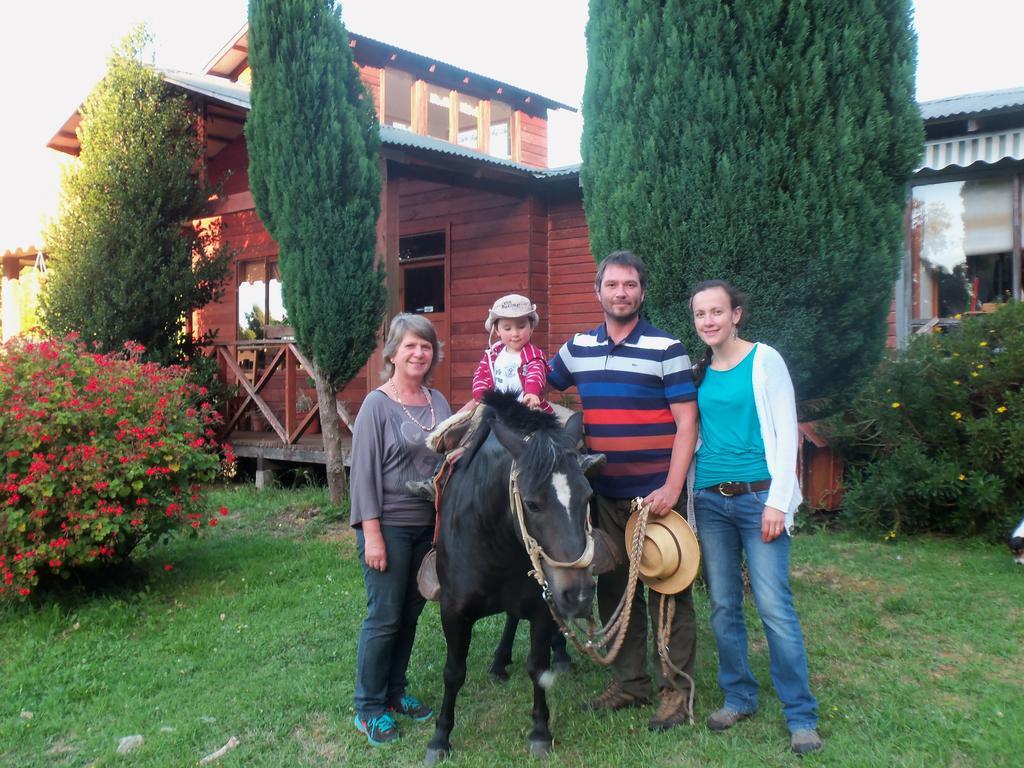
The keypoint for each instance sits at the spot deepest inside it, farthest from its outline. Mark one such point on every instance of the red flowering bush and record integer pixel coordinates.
(98, 453)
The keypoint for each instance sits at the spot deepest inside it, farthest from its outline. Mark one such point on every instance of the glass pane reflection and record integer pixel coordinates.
(962, 243)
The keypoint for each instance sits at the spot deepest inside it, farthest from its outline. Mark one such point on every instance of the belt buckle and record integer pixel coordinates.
(722, 486)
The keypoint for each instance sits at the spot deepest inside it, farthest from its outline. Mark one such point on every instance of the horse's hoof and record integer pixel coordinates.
(540, 748)
(562, 665)
(436, 755)
(498, 673)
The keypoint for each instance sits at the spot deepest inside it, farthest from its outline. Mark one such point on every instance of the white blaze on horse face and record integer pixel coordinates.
(562, 491)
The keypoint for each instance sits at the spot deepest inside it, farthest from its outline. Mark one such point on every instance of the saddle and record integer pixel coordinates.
(451, 438)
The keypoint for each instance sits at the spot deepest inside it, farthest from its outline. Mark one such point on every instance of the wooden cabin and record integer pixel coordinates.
(470, 211)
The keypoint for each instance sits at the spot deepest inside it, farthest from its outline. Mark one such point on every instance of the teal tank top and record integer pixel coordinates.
(731, 446)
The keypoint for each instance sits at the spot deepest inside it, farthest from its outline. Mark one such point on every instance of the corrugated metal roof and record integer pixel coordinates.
(396, 137)
(208, 85)
(972, 103)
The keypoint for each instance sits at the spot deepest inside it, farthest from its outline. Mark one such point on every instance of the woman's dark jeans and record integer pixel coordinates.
(393, 606)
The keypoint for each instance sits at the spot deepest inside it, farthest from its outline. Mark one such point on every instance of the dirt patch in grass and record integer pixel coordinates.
(318, 740)
(832, 577)
(61, 747)
(299, 521)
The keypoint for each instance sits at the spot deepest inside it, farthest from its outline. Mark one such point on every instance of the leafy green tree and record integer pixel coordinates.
(127, 262)
(314, 154)
(767, 142)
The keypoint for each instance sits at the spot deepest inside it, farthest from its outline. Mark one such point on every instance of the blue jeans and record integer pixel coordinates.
(393, 606)
(729, 527)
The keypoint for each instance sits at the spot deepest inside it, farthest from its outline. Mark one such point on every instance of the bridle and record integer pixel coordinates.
(533, 547)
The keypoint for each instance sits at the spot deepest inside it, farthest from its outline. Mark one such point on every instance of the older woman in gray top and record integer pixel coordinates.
(394, 529)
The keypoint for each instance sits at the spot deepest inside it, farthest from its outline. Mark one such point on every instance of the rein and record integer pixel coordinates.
(614, 632)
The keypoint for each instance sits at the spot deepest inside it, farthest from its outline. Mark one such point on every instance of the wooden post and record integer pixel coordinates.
(289, 393)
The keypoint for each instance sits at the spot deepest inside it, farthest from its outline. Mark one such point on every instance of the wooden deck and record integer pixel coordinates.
(308, 449)
(264, 421)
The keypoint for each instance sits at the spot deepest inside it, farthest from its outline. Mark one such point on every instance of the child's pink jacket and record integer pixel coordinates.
(533, 371)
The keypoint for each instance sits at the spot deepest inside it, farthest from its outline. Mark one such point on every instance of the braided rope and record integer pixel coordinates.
(666, 613)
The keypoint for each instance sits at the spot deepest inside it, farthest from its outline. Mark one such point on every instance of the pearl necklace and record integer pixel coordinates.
(430, 402)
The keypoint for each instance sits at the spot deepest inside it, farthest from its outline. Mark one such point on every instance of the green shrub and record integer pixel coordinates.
(100, 453)
(935, 441)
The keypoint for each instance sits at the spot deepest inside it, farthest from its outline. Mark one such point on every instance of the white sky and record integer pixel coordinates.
(53, 52)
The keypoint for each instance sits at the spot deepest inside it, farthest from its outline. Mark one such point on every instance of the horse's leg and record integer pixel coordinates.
(561, 661)
(541, 633)
(458, 631)
(503, 653)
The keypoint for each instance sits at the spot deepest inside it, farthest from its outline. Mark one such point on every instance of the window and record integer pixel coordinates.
(438, 112)
(398, 99)
(501, 130)
(469, 118)
(259, 300)
(962, 246)
(421, 260)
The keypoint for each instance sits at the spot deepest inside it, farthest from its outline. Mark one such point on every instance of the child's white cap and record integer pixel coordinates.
(512, 306)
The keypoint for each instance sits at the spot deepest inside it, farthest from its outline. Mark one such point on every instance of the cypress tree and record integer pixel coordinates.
(767, 142)
(314, 153)
(126, 263)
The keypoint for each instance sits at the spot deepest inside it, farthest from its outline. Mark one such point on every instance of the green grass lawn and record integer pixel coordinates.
(915, 651)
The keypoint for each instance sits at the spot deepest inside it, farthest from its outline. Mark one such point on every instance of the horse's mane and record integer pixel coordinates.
(539, 456)
(515, 415)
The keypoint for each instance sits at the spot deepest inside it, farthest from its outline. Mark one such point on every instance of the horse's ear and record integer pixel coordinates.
(591, 462)
(574, 427)
(509, 438)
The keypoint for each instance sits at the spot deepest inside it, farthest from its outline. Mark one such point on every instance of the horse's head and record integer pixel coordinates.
(550, 476)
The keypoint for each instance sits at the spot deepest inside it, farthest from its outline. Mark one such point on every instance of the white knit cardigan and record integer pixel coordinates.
(776, 413)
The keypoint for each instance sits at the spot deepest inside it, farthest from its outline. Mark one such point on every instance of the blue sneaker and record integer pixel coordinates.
(412, 707)
(379, 730)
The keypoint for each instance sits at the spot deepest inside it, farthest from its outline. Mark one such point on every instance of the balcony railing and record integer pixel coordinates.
(275, 413)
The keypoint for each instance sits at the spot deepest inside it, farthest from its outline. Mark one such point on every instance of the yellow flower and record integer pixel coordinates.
(895, 405)
(956, 354)
(956, 415)
(957, 382)
(980, 365)
(983, 344)
(962, 476)
(1001, 409)
(956, 316)
(974, 374)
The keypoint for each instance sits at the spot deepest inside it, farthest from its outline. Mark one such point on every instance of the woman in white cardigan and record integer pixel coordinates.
(745, 494)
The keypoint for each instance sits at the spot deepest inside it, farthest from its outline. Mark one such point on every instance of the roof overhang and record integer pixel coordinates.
(206, 88)
(226, 94)
(233, 58)
(972, 105)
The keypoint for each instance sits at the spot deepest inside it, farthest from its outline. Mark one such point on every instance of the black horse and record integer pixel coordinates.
(482, 561)
(560, 662)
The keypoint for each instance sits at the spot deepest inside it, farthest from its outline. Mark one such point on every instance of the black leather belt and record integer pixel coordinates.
(735, 489)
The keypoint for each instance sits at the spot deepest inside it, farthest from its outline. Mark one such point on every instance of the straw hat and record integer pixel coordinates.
(511, 306)
(671, 554)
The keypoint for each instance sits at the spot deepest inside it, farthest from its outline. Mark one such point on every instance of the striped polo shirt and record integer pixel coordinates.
(626, 390)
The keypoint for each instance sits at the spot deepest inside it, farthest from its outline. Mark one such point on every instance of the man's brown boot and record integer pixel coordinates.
(671, 710)
(613, 697)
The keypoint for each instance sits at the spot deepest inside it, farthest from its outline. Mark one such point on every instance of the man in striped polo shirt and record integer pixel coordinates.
(640, 409)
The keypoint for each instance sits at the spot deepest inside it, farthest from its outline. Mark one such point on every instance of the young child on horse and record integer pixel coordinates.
(512, 363)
